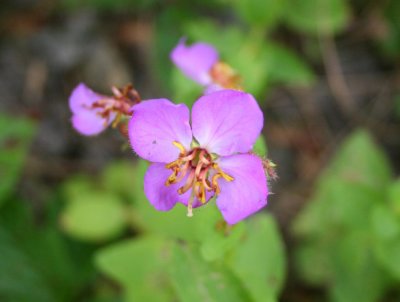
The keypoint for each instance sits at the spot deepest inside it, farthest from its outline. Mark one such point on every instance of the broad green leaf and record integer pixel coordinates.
(139, 266)
(196, 280)
(260, 13)
(15, 137)
(317, 16)
(77, 185)
(216, 244)
(259, 261)
(360, 160)
(357, 276)
(313, 261)
(355, 180)
(337, 246)
(337, 204)
(94, 216)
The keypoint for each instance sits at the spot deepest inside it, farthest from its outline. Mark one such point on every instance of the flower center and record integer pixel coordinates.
(121, 103)
(201, 172)
(225, 76)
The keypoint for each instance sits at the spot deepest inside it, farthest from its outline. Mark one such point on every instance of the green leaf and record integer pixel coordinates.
(15, 138)
(385, 224)
(387, 253)
(317, 16)
(259, 261)
(260, 147)
(313, 261)
(349, 188)
(77, 185)
(139, 266)
(337, 246)
(20, 280)
(94, 216)
(360, 160)
(118, 177)
(357, 276)
(216, 244)
(196, 280)
(386, 229)
(260, 13)
(394, 197)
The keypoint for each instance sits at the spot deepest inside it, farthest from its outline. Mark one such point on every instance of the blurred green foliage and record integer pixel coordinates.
(15, 138)
(349, 232)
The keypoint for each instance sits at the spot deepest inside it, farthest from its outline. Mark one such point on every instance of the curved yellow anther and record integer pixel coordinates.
(180, 147)
(214, 183)
(225, 176)
(175, 163)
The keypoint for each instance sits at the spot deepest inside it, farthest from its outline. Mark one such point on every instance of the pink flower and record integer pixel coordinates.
(193, 161)
(92, 112)
(200, 62)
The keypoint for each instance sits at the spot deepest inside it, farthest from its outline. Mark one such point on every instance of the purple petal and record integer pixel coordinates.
(227, 121)
(155, 125)
(82, 97)
(163, 198)
(89, 123)
(247, 193)
(195, 61)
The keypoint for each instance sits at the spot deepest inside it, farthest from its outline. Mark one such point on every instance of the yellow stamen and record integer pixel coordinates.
(117, 120)
(180, 147)
(225, 176)
(177, 163)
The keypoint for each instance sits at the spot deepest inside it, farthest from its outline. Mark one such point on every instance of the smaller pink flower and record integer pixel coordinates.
(92, 112)
(200, 62)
